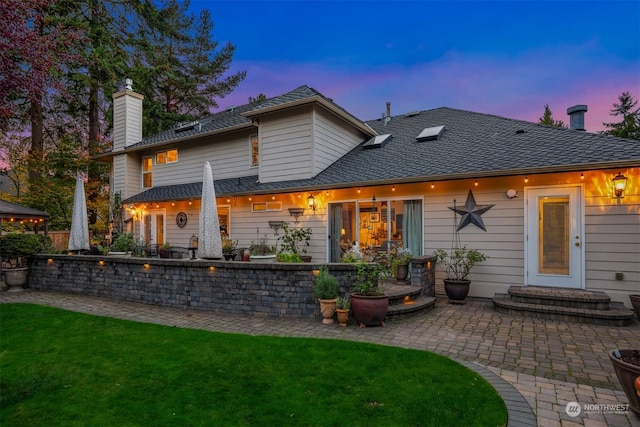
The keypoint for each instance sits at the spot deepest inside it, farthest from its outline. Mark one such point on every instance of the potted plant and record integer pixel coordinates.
(400, 263)
(164, 250)
(15, 250)
(261, 250)
(229, 248)
(626, 363)
(325, 289)
(343, 305)
(457, 265)
(295, 241)
(122, 244)
(369, 303)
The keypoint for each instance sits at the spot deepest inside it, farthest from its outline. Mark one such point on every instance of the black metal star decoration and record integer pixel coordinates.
(471, 213)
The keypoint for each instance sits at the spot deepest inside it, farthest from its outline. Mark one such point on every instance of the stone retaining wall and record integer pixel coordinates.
(258, 289)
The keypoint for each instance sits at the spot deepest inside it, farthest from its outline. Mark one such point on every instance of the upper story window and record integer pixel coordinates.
(255, 150)
(147, 167)
(169, 156)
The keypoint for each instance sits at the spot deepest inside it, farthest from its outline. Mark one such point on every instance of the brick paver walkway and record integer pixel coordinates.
(550, 363)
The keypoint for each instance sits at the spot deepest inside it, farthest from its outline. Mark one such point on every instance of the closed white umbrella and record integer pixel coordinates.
(209, 240)
(79, 235)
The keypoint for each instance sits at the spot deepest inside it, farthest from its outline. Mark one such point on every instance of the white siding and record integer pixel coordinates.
(286, 146)
(229, 158)
(503, 242)
(332, 140)
(127, 177)
(127, 119)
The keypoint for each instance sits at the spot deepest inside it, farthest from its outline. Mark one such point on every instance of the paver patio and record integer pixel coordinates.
(550, 363)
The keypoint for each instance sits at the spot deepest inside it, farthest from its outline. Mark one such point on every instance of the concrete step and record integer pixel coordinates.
(399, 293)
(616, 315)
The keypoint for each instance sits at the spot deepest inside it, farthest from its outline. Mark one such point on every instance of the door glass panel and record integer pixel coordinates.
(147, 228)
(159, 229)
(553, 236)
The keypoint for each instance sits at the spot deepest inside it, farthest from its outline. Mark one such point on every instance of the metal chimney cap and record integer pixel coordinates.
(128, 84)
(577, 109)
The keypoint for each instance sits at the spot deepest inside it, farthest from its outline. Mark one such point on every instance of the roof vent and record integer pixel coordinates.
(519, 131)
(412, 113)
(186, 126)
(431, 134)
(576, 117)
(377, 141)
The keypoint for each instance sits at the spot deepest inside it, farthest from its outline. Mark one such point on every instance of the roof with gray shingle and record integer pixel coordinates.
(234, 117)
(472, 145)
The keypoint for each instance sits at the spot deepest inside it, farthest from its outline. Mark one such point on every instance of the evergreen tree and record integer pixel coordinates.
(547, 118)
(180, 70)
(629, 127)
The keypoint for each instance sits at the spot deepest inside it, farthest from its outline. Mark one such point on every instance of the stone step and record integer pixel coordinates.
(560, 297)
(616, 315)
(399, 293)
(412, 306)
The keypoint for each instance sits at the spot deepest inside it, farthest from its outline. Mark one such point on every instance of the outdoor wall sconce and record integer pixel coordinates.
(276, 225)
(296, 212)
(50, 261)
(101, 263)
(146, 266)
(619, 185)
(212, 269)
(311, 201)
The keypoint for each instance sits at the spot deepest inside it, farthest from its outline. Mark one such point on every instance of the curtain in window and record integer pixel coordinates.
(412, 226)
(336, 227)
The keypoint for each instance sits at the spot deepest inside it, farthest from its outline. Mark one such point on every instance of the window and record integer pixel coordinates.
(266, 206)
(147, 166)
(255, 150)
(169, 156)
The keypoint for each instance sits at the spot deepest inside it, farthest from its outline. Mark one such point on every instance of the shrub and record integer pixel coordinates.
(326, 285)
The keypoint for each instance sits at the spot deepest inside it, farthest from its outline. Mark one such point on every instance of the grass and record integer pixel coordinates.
(60, 368)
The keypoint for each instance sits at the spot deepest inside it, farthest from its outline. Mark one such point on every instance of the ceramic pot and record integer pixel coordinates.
(627, 369)
(457, 290)
(369, 310)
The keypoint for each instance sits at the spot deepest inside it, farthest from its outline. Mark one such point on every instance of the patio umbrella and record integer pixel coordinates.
(79, 235)
(209, 240)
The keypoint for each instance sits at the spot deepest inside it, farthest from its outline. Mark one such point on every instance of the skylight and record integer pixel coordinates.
(431, 134)
(377, 141)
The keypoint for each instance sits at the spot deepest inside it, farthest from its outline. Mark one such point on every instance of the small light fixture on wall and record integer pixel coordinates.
(619, 185)
(311, 201)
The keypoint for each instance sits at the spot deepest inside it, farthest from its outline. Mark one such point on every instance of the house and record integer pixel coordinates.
(539, 201)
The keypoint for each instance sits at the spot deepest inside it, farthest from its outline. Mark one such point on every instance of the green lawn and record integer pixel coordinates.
(59, 368)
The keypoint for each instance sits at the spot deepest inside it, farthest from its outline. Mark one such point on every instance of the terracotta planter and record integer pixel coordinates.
(343, 316)
(457, 290)
(15, 278)
(635, 302)
(369, 310)
(328, 309)
(627, 374)
(305, 258)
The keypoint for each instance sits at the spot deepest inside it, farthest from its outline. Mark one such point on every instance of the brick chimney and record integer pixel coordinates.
(127, 117)
(576, 117)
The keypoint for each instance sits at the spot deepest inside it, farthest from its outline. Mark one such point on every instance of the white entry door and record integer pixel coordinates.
(554, 254)
(153, 227)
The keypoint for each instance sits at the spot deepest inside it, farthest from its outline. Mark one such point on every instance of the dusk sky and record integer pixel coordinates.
(508, 58)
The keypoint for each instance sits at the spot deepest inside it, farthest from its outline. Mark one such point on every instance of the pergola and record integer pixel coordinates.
(14, 212)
